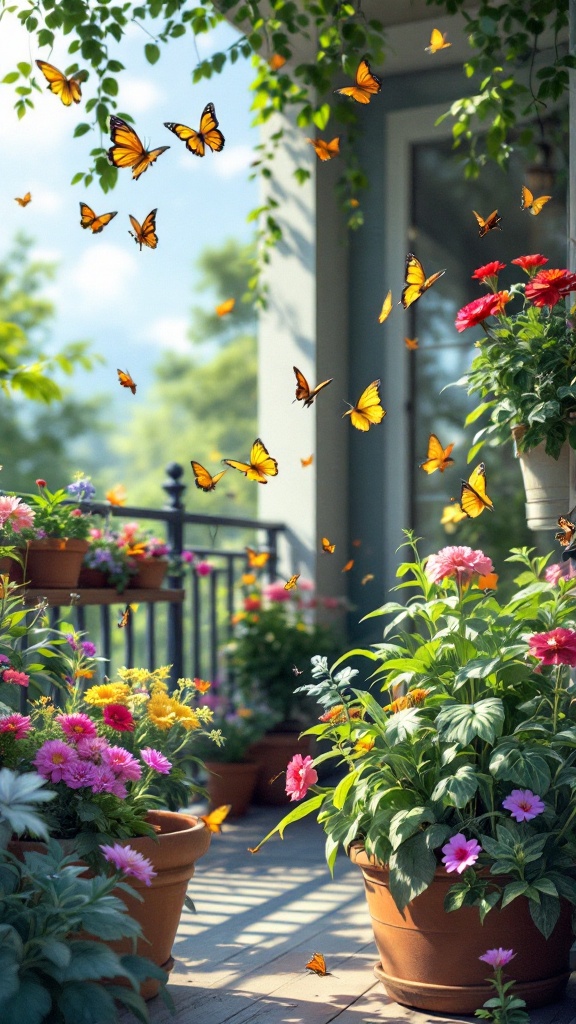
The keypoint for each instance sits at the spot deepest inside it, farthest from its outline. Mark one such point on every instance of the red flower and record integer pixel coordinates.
(529, 263)
(476, 312)
(547, 287)
(558, 647)
(41, 483)
(488, 270)
(252, 604)
(118, 717)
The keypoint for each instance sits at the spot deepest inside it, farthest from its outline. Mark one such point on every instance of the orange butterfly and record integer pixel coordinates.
(260, 466)
(117, 494)
(473, 497)
(491, 222)
(145, 232)
(275, 62)
(327, 546)
(368, 409)
(68, 89)
(202, 477)
(88, 219)
(307, 462)
(128, 150)
(124, 618)
(125, 380)
(366, 85)
(225, 307)
(202, 685)
(303, 391)
(348, 566)
(317, 964)
(437, 41)
(567, 529)
(214, 819)
(24, 200)
(386, 308)
(366, 579)
(291, 583)
(438, 457)
(257, 559)
(528, 202)
(208, 133)
(325, 150)
(416, 281)
(411, 344)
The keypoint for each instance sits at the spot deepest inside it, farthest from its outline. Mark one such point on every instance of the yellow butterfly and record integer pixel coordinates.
(257, 559)
(491, 222)
(366, 85)
(303, 391)
(291, 583)
(307, 462)
(416, 281)
(452, 514)
(326, 150)
(128, 150)
(208, 133)
(438, 457)
(327, 546)
(386, 308)
(528, 202)
(260, 466)
(437, 41)
(202, 477)
(24, 200)
(317, 964)
(88, 219)
(125, 380)
(145, 232)
(473, 497)
(225, 307)
(368, 409)
(214, 820)
(68, 89)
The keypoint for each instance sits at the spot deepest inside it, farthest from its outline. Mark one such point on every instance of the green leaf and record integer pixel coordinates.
(152, 53)
(412, 868)
(343, 788)
(322, 116)
(545, 914)
(91, 960)
(459, 788)
(461, 723)
(513, 890)
(87, 1002)
(31, 1004)
(405, 823)
(524, 767)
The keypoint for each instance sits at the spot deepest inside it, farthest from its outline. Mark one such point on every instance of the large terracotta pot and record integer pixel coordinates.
(231, 783)
(429, 958)
(92, 578)
(54, 562)
(13, 570)
(272, 754)
(550, 484)
(150, 575)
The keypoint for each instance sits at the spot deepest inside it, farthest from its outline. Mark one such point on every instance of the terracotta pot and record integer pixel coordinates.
(13, 570)
(550, 484)
(231, 783)
(93, 578)
(429, 958)
(150, 575)
(54, 562)
(272, 754)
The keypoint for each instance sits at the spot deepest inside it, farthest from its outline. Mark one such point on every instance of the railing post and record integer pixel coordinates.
(175, 489)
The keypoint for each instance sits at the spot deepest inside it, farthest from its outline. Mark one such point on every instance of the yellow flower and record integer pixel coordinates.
(185, 715)
(160, 712)
(107, 693)
(247, 579)
(364, 744)
(83, 673)
(135, 676)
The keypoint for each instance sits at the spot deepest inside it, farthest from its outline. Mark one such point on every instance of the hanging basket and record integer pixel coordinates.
(550, 484)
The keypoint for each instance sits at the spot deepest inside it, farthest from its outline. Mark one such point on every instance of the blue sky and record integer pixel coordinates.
(131, 305)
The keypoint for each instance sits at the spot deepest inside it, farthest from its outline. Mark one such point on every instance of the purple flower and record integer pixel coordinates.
(498, 957)
(127, 860)
(91, 748)
(52, 758)
(156, 761)
(124, 766)
(88, 648)
(4, 659)
(79, 774)
(72, 642)
(523, 804)
(460, 853)
(82, 489)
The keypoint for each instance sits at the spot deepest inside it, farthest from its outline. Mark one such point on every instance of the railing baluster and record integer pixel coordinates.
(175, 528)
(151, 636)
(129, 643)
(80, 618)
(105, 638)
(213, 624)
(196, 652)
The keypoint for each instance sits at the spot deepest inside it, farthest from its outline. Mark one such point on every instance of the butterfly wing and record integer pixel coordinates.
(327, 546)
(317, 964)
(437, 41)
(366, 85)
(307, 461)
(192, 138)
(209, 129)
(202, 478)
(416, 282)
(214, 820)
(348, 566)
(529, 203)
(473, 496)
(567, 531)
(386, 308)
(291, 583)
(302, 387)
(88, 218)
(24, 200)
(368, 409)
(325, 150)
(126, 381)
(491, 222)
(257, 559)
(145, 234)
(127, 149)
(225, 307)
(438, 457)
(261, 463)
(124, 618)
(67, 89)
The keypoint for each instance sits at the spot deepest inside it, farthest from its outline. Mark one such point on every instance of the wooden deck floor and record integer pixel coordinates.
(241, 957)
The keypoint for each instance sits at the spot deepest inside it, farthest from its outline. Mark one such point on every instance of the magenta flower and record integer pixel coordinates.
(91, 748)
(460, 853)
(18, 725)
(10, 675)
(118, 717)
(52, 758)
(553, 573)
(130, 862)
(523, 804)
(124, 766)
(457, 563)
(79, 774)
(76, 726)
(299, 776)
(203, 568)
(4, 659)
(156, 761)
(498, 957)
(276, 592)
(88, 648)
(106, 782)
(558, 647)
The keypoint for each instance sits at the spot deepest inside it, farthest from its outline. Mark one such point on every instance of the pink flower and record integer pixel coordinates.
(477, 312)
(124, 766)
(18, 725)
(523, 804)
(203, 568)
(155, 760)
(498, 957)
(118, 717)
(106, 782)
(76, 726)
(457, 563)
(547, 287)
(460, 853)
(130, 862)
(4, 659)
(52, 758)
(558, 647)
(15, 512)
(488, 274)
(554, 573)
(304, 584)
(188, 557)
(299, 776)
(79, 774)
(530, 263)
(91, 748)
(276, 592)
(10, 675)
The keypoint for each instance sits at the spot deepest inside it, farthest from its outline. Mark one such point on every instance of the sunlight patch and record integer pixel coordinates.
(170, 332)
(102, 273)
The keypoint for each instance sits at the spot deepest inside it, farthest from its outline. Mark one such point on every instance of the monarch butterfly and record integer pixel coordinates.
(260, 466)
(68, 89)
(225, 307)
(473, 497)
(307, 462)
(416, 281)
(291, 583)
(528, 202)
(124, 618)
(567, 529)
(257, 559)
(366, 85)
(491, 222)
(24, 200)
(88, 219)
(366, 579)
(208, 133)
(317, 964)
(214, 819)
(128, 150)
(437, 41)
(327, 546)
(145, 232)
(348, 566)
(275, 62)
(411, 344)
(367, 409)
(125, 380)
(326, 150)
(303, 391)
(202, 477)
(438, 457)
(386, 308)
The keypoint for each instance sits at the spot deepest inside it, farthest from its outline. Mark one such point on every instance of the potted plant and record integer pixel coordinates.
(525, 376)
(232, 773)
(107, 562)
(15, 518)
(149, 555)
(457, 793)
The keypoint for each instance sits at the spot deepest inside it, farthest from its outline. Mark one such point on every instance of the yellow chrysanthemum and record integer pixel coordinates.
(185, 715)
(135, 676)
(160, 712)
(107, 693)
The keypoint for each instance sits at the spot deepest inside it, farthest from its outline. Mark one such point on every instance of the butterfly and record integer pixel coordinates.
(307, 462)
(68, 89)
(124, 618)
(411, 344)
(275, 62)
(125, 380)
(303, 392)
(366, 579)
(367, 409)
(348, 566)
(260, 466)
(201, 685)
(128, 150)
(567, 529)
(145, 232)
(327, 546)
(438, 457)
(416, 281)
(325, 150)
(473, 497)
(257, 559)
(437, 41)
(528, 202)
(208, 133)
(225, 307)
(214, 819)
(491, 222)
(366, 85)
(202, 477)
(88, 219)
(291, 583)
(24, 200)
(386, 308)
(317, 964)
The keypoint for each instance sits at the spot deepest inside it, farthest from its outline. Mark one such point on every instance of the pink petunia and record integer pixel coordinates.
(155, 760)
(523, 804)
(130, 862)
(18, 725)
(10, 675)
(554, 573)
(125, 767)
(457, 563)
(460, 853)
(557, 647)
(118, 717)
(498, 957)
(76, 726)
(52, 758)
(299, 776)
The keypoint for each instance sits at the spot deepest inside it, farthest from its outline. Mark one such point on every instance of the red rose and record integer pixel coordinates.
(476, 312)
(547, 287)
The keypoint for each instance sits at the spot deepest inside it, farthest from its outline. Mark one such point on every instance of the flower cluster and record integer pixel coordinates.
(51, 513)
(109, 555)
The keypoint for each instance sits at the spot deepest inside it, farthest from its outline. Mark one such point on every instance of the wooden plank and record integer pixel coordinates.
(54, 596)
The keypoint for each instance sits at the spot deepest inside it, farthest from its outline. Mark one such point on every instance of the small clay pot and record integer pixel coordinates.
(231, 783)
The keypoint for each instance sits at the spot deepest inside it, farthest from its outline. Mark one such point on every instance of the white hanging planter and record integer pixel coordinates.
(550, 484)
